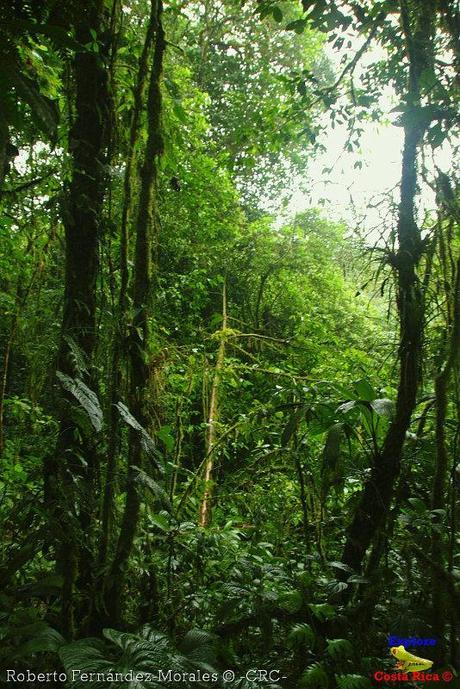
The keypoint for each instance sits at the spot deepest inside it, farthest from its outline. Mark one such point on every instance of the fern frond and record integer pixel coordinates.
(339, 649)
(301, 635)
(314, 677)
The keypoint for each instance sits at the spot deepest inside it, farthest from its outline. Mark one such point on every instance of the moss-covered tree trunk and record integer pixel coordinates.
(146, 231)
(439, 607)
(71, 473)
(120, 336)
(417, 20)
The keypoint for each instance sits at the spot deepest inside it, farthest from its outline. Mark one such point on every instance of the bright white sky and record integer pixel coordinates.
(349, 191)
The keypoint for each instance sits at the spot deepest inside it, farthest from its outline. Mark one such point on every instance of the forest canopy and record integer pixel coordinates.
(229, 420)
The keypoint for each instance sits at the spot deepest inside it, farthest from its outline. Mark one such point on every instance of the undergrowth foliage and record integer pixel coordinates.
(229, 433)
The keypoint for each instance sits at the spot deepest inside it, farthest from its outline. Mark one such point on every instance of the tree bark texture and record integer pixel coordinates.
(73, 510)
(147, 225)
(376, 497)
(119, 346)
(211, 432)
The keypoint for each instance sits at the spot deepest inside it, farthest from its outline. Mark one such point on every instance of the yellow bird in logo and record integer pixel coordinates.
(409, 662)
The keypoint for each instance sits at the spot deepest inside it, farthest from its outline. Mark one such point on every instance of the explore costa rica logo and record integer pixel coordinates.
(411, 668)
(383, 676)
(410, 641)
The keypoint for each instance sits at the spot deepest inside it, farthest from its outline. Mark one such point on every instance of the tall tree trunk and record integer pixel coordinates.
(130, 179)
(303, 496)
(4, 140)
(376, 497)
(211, 432)
(73, 510)
(4, 375)
(147, 226)
(438, 497)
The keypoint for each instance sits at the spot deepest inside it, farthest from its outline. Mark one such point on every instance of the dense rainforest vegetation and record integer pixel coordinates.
(229, 433)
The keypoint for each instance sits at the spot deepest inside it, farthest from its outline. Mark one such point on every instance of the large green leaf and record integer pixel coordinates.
(86, 397)
(146, 481)
(322, 611)
(46, 639)
(139, 654)
(147, 442)
(364, 390)
(383, 407)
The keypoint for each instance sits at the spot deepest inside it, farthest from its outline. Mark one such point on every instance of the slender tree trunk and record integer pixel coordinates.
(453, 521)
(146, 229)
(303, 496)
(438, 497)
(376, 497)
(211, 434)
(4, 140)
(4, 376)
(72, 510)
(179, 425)
(120, 337)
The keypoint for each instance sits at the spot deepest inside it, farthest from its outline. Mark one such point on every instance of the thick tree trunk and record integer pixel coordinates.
(81, 218)
(146, 230)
